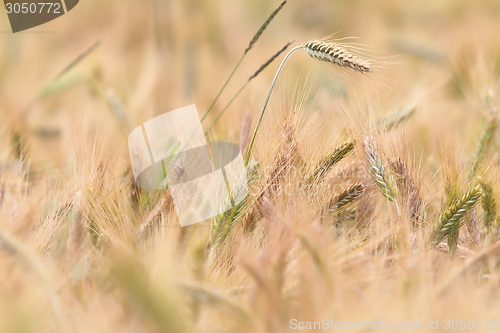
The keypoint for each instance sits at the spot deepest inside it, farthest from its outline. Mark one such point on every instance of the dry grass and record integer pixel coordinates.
(370, 204)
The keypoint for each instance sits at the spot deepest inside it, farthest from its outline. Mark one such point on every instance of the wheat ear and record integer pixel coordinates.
(490, 208)
(17, 249)
(324, 51)
(254, 40)
(409, 190)
(225, 222)
(348, 195)
(336, 53)
(329, 161)
(257, 72)
(67, 69)
(450, 219)
(485, 142)
(378, 170)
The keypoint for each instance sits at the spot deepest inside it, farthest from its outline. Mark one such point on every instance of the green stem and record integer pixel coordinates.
(225, 108)
(224, 86)
(247, 159)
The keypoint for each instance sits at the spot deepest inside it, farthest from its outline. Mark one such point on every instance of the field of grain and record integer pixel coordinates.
(374, 179)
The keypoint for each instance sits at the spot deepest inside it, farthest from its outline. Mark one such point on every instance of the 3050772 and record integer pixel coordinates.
(33, 8)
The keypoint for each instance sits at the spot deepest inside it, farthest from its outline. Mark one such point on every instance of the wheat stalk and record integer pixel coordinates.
(330, 52)
(254, 40)
(259, 120)
(257, 72)
(409, 190)
(489, 207)
(270, 60)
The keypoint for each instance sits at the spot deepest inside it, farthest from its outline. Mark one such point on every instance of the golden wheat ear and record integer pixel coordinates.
(337, 54)
(345, 55)
(254, 40)
(331, 52)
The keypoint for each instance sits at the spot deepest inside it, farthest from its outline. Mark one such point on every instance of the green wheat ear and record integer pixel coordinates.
(225, 222)
(485, 142)
(257, 72)
(330, 52)
(378, 170)
(490, 219)
(330, 160)
(347, 196)
(394, 119)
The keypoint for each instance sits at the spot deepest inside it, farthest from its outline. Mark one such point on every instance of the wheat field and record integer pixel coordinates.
(373, 172)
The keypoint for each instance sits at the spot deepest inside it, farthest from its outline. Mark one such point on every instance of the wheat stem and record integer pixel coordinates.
(254, 40)
(329, 161)
(261, 68)
(485, 142)
(247, 159)
(223, 87)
